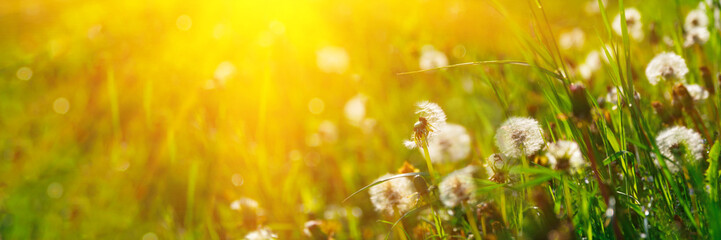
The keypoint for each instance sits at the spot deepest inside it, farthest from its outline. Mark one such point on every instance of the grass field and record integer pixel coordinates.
(306, 119)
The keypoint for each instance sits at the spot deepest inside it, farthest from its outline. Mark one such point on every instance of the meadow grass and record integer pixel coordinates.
(221, 121)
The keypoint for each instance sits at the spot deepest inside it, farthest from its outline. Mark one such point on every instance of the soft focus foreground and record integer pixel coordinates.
(256, 119)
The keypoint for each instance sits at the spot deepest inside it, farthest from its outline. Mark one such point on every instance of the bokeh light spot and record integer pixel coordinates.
(278, 28)
(55, 190)
(316, 106)
(61, 105)
(24, 73)
(184, 22)
(237, 179)
(150, 236)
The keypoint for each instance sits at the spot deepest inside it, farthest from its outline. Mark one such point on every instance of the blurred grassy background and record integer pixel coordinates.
(115, 123)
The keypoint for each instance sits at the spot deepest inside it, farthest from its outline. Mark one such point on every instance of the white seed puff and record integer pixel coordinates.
(431, 121)
(261, 234)
(452, 144)
(519, 136)
(432, 58)
(698, 93)
(457, 187)
(564, 155)
(666, 66)
(633, 24)
(395, 194)
(680, 144)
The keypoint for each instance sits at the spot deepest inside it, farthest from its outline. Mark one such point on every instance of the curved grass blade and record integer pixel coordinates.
(404, 216)
(501, 62)
(425, 174)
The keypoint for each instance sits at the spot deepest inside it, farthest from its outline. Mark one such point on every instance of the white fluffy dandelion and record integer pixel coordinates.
(698, 36)
(457, 187)
(698, 93)
(666, 66)
(332, 59)
(590, 65)
(519, 136)
(572, 39)
(679, 144)
(452, 144)
(563, 155)
(633, 24)
(393, 195)
(432, 58)
(431, 120)
(696, 19)
(261, 234)
(355, 109)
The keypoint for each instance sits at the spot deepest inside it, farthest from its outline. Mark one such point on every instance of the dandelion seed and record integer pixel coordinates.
(355, 109)
(431, 120)
(572, 39)
(666, 66)
(393, 195)
(452, 144)
(698, 93)
(696, 19)
(457, 187)
(696, 36)
(564, 155)
(680, 144)
(519, 137)
(633, 24)
(432, 58)
(332, 59)
(261, 234)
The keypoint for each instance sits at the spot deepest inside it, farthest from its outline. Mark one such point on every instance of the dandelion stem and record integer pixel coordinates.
(431, 171)
(472, 221)
(401, 230)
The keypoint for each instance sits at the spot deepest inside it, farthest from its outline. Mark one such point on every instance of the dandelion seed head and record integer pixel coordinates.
(679, 143)
(431, 120)
(592, 6)
(519, 136)
(564, 155)
(261, 234)
(393, 194)
(432, 58)
(696, 19)
(633, 24)
(667, 66)
(698, 93)
(457, 187)
(452, 144)
(245, 203)
(698, 36)
(572, 39)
